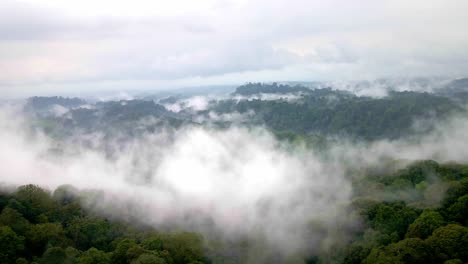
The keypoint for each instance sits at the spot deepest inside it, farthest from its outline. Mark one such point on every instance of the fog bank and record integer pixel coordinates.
(236, 182)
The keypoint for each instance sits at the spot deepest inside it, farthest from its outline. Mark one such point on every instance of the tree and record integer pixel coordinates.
(456, 189)
(21, 261)
(392, 217)
(73, 255)
(54, 241)
(134, 252)
(10, 245)
(184, 247)
(126, 251)
(153, 243)
(148, 259)
(90, 232)
(94, 256)
(453, 261)
(53, 255)
(65, 194)
(42, 235)
(119, 255)
(12, 218)
(67, 197)
(4, 198)
(409, 250)
(425, 224)
(417, 171)
(35, 202)
(356, 254)
(449, 242)
(458, 211)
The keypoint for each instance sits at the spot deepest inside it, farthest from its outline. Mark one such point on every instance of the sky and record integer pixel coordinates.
(56, 46)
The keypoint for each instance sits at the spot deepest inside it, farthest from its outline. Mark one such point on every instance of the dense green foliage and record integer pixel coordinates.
(323, 112)
(408, 214)
(414, 228)
(256, 88)
(42, 228)
(456, 90)
(409, 227)
(113, 118)
(42, 103)
(330, 112)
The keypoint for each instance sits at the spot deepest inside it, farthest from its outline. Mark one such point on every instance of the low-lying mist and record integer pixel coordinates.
(237, 181)
(230, 183)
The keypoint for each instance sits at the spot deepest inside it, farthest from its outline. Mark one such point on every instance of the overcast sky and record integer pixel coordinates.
(49, 46)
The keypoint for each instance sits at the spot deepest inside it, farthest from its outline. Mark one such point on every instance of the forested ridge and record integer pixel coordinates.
(320, 111)
(256, 88)
(398, 211)
(332, 112)
(233, 132)
(41, 227)
(417, 214)
(422, 215)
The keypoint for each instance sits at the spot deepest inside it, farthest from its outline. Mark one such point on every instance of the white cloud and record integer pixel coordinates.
(239, 179)
(243, 181)
(54, 42)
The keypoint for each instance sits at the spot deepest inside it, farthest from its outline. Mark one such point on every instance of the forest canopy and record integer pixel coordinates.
(37, 226)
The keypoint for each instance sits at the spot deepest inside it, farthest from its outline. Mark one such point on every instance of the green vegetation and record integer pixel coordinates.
(43, 103)
(331, 112)
(113, 118)
(324, 112)
(257, 88)
(409, 227)
(413, 228)
(37, 227)
(416, 213)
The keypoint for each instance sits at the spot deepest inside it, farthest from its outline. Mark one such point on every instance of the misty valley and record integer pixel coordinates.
(312, 172)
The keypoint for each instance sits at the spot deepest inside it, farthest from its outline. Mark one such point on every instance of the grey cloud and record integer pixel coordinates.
(21, 21)
(289, 39)
(30, 22)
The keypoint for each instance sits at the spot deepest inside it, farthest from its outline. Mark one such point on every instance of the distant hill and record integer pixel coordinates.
(51, 106)
(461, 84)
(120, 118)
(258, 88)
(324, 112)
(41, 103)
(456, 90)
(331, 112)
